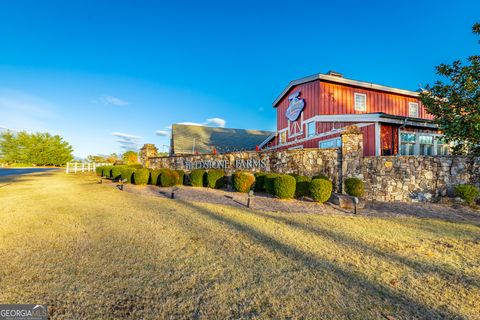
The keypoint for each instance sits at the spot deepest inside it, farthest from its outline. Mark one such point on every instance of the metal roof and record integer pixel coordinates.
(336, 79)
(190, 139)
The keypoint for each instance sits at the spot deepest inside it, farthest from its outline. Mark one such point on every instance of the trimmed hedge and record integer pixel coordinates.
(197, 177)
(284, 186)
(117, 171)
(154, 174)
(99, 171)
(127, 173)
(140, 176)
(260, 181)
(107, 171)
(302, 188)
(243, 181)
(467, 192)
(268, 182)
(320, 190)
(215, 179)
(181, 176)
(136, 166)
(168, 178)
(354, 187)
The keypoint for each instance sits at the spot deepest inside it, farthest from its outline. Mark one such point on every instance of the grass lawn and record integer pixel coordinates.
(92, 252)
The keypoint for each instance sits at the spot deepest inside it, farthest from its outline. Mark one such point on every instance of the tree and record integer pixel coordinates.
(455, 104)
(34, 148)
(130, 157)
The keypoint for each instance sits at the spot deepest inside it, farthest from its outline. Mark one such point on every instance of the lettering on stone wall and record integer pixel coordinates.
(240, 164)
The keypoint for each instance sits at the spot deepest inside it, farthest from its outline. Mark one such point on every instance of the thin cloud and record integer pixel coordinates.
(162, 133)
(111, 100)
(213, 122)
(128, 141)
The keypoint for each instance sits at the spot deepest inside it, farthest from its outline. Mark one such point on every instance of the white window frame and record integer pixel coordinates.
(314, 129)
(357, 108)
(280, 142)
(417, 108)
(416, 144)
(328, 140)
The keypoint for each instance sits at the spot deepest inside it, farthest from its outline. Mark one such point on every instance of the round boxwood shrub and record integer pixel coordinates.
(127, 173)
(168, 178)
(354, 187)
(260, 181)
(284, 186)
(140, 176)
(215, 179)
(154, 174)
(136, 166)
(181, 176)
(197, 177)
(303, 186)
(268, 182)
(117, 172)
(107, 171)
(99, 171)
(320, 190)
(467, 192)
(243, 181)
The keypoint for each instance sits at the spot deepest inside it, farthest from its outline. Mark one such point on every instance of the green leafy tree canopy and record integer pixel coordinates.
(42, 149)
(455, 103)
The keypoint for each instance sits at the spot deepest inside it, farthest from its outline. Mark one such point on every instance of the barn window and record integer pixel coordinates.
(330, 143)
(413, 109)
(407, 143)
(283, 137)
(426, 145)
(442, 147)
(311, 129)
(360, 102)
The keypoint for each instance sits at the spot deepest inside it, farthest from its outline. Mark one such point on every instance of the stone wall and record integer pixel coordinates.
(392, 178)
(416, 178)
(307, 162)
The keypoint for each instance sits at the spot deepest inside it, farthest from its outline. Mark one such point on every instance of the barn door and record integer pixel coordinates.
(389, 140)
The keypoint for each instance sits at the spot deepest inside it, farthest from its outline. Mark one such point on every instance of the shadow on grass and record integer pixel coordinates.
(349, 278)
(342, 239)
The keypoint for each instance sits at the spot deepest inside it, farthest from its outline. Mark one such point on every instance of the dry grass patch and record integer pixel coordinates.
(93, 252)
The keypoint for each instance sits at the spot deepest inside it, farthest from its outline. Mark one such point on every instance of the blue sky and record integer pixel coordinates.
(107, 74)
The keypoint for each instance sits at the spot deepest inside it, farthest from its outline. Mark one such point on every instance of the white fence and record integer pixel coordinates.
(83, 166)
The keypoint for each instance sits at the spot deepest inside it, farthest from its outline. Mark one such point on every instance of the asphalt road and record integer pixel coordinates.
(21, 171)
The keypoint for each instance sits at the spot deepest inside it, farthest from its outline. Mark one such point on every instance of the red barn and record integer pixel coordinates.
(313, 111)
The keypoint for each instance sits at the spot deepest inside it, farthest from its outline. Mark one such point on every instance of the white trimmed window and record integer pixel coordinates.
(360, 102)
(311, 129)
(413, 109)
(330, 143)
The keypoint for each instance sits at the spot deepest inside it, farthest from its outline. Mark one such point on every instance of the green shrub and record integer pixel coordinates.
(181, 176)
(321, 176)
(260, 181)
(467, 192)
(154, 174)
(168, 178)
(215, 179)
(136, 166)
(268, 182)
(127, 173)
(107, 171)
(140, 176)
(320, 190)
(284, 186)
(197, 177)
(354, 187)
(303, 186)
(117, 171)
(99, 171)
(243, 181)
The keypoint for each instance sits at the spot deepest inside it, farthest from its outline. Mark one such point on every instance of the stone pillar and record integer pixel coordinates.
(352, 154)
(147, 151)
